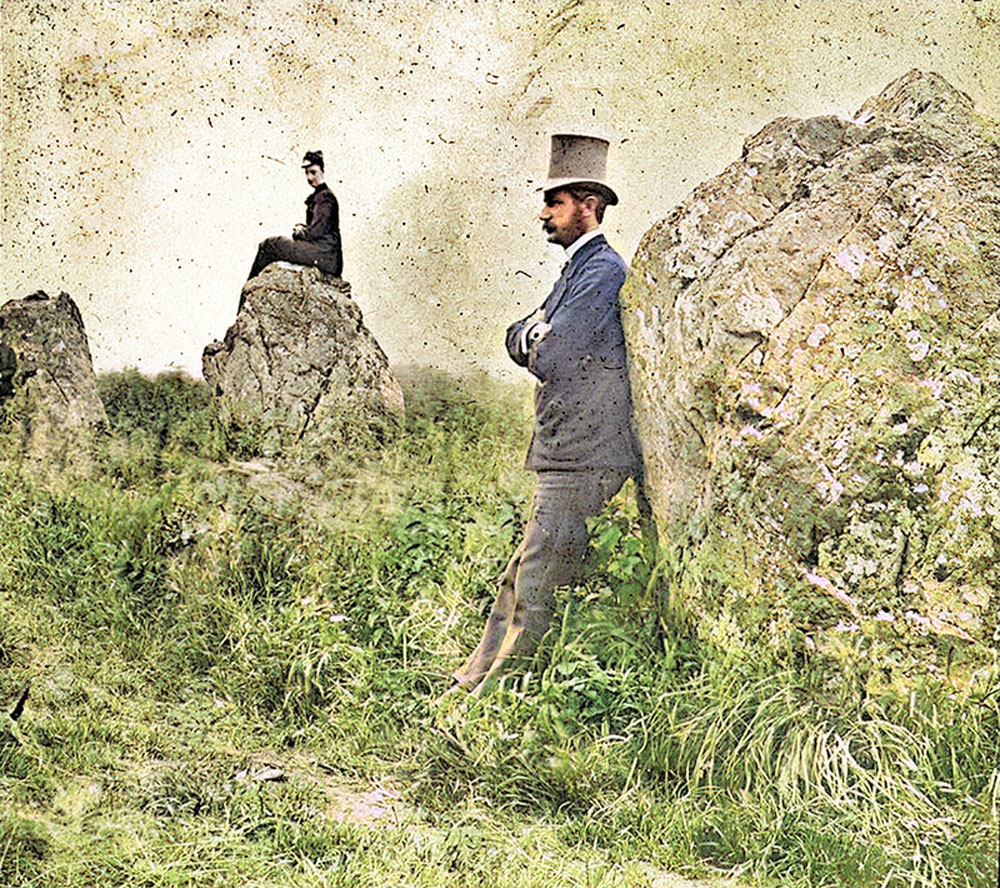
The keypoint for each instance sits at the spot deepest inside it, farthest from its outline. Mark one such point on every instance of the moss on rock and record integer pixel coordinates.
(815, 364)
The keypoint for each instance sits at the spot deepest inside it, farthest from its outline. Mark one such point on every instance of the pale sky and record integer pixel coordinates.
(148, 147)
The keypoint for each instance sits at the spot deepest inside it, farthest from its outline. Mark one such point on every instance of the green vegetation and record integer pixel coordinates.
(233, 667)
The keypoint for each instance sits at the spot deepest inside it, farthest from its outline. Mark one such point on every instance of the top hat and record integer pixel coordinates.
(578, 160)
(313, 158)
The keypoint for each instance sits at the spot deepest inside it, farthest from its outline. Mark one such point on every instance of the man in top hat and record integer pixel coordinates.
(318, 241)
(582, 446)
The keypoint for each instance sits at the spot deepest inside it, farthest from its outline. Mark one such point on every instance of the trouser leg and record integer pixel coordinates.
(553, 554)
(480, 660)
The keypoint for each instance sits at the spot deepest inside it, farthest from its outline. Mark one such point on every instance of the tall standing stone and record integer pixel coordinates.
(299, 363)
(815, 346)
(48, 390)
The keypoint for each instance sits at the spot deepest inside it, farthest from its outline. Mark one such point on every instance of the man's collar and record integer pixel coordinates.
(574, 247)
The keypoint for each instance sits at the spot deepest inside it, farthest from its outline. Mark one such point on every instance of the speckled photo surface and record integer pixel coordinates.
(148, 148)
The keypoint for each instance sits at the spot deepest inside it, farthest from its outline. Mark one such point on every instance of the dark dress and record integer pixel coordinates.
(318, 246)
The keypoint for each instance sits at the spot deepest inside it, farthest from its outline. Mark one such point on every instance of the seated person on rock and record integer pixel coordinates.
(316, 243)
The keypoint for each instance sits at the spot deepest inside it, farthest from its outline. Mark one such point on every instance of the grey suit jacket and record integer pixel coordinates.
(583, 405)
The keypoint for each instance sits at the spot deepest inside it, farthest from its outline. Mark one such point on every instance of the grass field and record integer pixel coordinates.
(231, 663)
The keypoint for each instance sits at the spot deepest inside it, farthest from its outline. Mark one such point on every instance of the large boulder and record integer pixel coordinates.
(48, 390)
(299, 365)
(815, 357)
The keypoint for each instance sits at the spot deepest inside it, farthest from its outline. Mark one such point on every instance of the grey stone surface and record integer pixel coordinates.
(48, 390)
(814, 339)
(299, 362)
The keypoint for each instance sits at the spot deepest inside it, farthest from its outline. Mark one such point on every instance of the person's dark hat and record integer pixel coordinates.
(313, 158)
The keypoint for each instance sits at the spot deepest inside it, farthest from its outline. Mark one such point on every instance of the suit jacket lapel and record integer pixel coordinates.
(562, 285)
(556, 296)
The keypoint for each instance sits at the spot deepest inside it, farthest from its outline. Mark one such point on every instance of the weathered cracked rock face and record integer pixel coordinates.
(299, 363)
(815, 346)
(48, 390)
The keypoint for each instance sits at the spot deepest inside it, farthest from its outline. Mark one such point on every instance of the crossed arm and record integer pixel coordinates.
(584, 323)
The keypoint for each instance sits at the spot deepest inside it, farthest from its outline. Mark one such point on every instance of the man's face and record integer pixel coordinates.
(314, 175)
(562, 218)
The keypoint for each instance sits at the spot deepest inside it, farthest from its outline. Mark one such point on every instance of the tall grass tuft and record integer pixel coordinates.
(911, 781)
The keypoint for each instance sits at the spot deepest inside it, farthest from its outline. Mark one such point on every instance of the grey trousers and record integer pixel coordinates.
(552, 554)
(301, 252)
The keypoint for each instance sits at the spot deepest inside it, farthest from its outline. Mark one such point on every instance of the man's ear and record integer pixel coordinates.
(589, 203)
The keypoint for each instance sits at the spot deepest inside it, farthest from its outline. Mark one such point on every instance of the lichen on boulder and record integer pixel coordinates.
(814, 339)
(299, 365)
